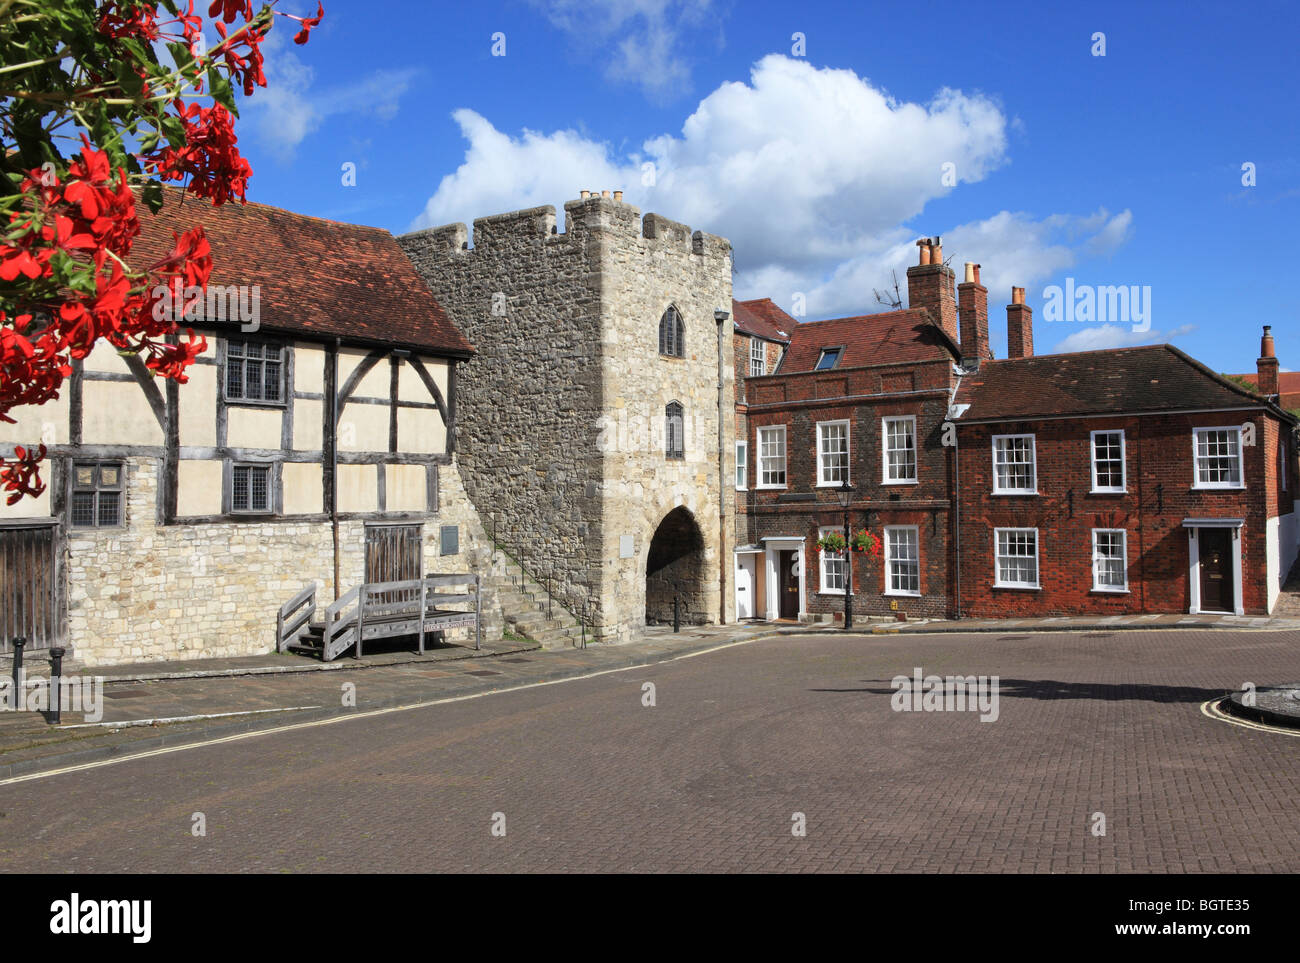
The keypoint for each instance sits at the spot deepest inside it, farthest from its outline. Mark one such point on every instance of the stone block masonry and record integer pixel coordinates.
(561, 413)
(149, 592)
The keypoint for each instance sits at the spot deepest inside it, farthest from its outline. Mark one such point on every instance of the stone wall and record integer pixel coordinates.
(561, 413)
(149, 592)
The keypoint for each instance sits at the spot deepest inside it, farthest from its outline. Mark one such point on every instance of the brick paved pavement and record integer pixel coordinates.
(740, 739)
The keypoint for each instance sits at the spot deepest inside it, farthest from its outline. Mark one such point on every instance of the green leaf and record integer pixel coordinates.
(152, 195)
(221, 91)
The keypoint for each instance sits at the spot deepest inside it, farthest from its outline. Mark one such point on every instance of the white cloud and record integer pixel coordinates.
(290, 106)
(641, 39)
(1115, 336)
(813, 173)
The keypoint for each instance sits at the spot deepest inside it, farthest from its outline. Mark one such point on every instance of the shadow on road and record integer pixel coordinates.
(1052, 689)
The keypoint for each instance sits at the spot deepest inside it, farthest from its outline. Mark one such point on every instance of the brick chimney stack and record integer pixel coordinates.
(930, 286)
(1267, 364)
(1020, 326)
(973, 309)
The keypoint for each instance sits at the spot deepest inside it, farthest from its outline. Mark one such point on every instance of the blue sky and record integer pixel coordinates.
(823, 165)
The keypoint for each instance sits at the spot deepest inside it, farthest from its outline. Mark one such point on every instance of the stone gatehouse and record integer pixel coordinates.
(597, 426)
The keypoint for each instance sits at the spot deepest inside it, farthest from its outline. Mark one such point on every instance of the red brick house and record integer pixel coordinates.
(762, 334)
(1125, 480)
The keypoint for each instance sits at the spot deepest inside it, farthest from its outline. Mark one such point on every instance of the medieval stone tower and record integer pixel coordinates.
(589, 428)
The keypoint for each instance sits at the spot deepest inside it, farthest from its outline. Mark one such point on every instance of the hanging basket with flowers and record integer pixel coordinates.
(865, 542)
(831, 542)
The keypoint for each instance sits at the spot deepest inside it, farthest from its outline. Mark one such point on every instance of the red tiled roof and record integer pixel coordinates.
(891, 337)
(1288, 384)
(317, 278)
(762, 318)
(1116, 380)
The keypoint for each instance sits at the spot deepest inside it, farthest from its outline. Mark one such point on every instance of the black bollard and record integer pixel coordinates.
(56, 672)
(19, 643)
(677, 613)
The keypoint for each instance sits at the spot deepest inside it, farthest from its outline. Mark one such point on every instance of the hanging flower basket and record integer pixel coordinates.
(831, 542)
(864, 541)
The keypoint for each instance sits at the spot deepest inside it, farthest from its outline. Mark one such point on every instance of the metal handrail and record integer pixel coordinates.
(544, 583)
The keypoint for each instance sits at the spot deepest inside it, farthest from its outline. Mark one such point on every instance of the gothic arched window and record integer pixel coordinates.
(674, 440)
(672, 334)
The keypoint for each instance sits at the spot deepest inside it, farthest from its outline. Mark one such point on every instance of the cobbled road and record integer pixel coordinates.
(711, 777)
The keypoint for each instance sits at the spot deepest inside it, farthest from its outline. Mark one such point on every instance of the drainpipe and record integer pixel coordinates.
(721, 317)
(956, 514)
(956, 501)
(334, 461)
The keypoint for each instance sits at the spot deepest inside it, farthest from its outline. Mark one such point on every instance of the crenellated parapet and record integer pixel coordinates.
(584, 219)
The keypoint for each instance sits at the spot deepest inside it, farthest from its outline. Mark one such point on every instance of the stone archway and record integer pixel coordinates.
(675, 566)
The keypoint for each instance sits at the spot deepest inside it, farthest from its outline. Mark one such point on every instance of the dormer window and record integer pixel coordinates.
(672, 334)
(828, 359)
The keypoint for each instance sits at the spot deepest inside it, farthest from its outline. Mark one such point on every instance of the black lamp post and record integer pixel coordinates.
(845, 494)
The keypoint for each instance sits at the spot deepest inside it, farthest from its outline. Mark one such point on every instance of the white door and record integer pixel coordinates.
(744, 587)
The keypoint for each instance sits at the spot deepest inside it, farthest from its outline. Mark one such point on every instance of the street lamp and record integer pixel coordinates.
(845, 494)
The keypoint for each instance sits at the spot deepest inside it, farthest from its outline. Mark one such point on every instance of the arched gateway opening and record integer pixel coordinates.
(675, 566)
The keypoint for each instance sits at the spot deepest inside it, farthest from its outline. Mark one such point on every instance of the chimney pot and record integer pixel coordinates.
(930, 287)
(1020, 326)
(604, 193)
(583, 194)
(973, 312)
(1267, 367)
(618, 196)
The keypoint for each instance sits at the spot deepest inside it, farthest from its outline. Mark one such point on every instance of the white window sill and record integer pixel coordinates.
(1018, 587)
(1108, 491)
(1016, 491)
(1099, 590)
(739, 489)
(902, 481)
(1218, 488)
(902, 595)
(831, 484)
(769, 488)
(833, 593)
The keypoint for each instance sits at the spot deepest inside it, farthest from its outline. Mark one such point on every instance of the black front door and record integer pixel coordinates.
(787, 587)
(1216, 570)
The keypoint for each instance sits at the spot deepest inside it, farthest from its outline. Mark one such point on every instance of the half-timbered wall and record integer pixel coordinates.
(186, 572)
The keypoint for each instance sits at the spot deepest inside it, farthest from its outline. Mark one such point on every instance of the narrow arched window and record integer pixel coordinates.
(672, 334)
(674, 440)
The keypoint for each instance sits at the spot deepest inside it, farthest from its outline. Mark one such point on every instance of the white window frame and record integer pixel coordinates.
(890, 531)
(1196, 460)
(997, 557)
(1033, 466)
(760, 466)
(757, 357)
(742, 466)
(822, 480)
(1097, 585)
(822, 586)
(885, 479)
(1123, 461)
